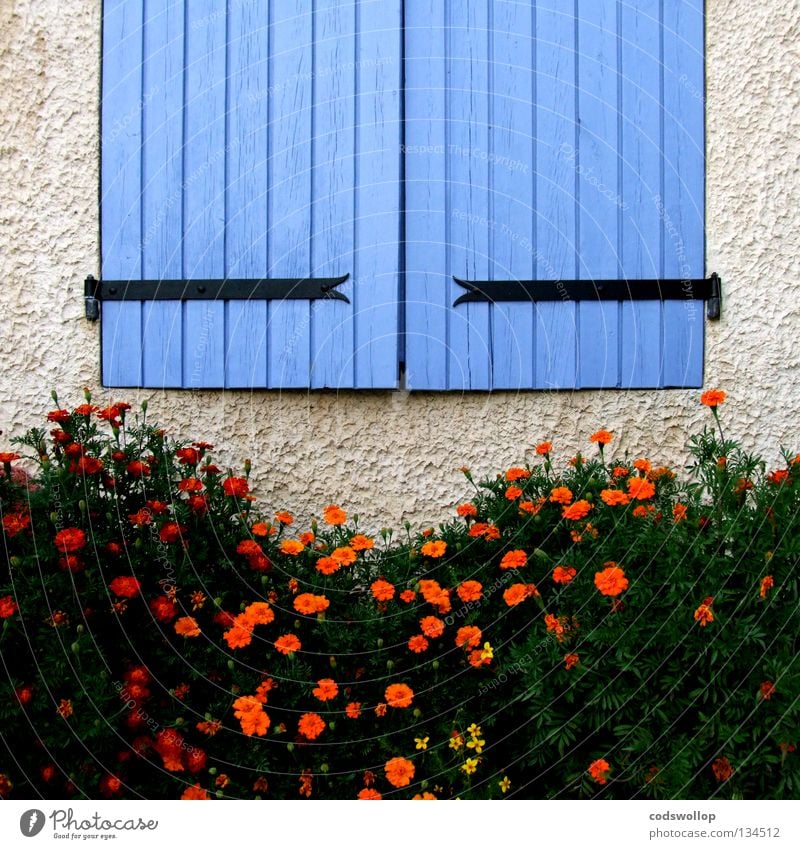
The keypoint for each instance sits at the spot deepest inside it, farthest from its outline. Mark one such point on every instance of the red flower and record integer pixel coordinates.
(70, 540)
(188, 456)
(138, 469)
(125, 587)
(235, 487)
(164, 609)
(767, 690)
(171, 532)
(599, 770)
(15, 523)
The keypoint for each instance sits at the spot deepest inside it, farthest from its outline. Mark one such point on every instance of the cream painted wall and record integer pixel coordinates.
(391, 456)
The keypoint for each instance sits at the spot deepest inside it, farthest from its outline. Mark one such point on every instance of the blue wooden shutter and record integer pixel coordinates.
(553, 140)
(252, 140)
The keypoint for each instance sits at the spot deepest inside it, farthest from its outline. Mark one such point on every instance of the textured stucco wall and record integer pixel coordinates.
(391, 456)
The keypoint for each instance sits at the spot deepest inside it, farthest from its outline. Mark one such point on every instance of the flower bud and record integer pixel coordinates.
(435, 664)
(15, 561)
(179, 720)
(75, 647)
(219, 794)
(390, 664)
(332, 724)
(80, 629)
(247, 466)
(230, 664)
(417, 713)
(332, 662)
(212, 770)
(290, 747)
(379, 642)
(324, 768)
(54, 517)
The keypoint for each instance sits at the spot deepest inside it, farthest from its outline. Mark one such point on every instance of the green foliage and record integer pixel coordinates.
(640, 644)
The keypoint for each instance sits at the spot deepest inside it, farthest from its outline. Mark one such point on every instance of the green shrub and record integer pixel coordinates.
(602, 629)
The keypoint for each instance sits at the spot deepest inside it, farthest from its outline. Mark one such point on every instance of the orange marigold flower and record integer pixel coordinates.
(380, 709)
(283, 517)
(468, 636)
(643, 511)
(306, 538)
(195, 792)
(261, 529)
(309, 604)
(240, 635)
(209, 728)
(345, 556)
(478, 658)
(369, 793)
(467, 511)
(513, 493)
(424, 796)
(125, 587)
(353, 710)
(601, 437)
(431, 590)
(15, 523)
(70, 540)
(399, 772)
(292, 547)
(517, 474)
(326, 689)
(431, 626)
(306, 782)
(578, 510)
(620, 472)
(642, 465)
(65, 709)
(8, 607)
(514, 559)
(361, 543)
(250, 713)
(713, 398)
(679, 512)
(571, 660)
(334, 515)
(544, 448)
(187, 626)
(470, 591)
(249, 548)
(259, 613)
(418, 644)
(287, 644)
(382, 590)
(561, 495)
(407, 596)
(640, 488)
(434, 548)
(704, 615)
(722, 768)
(399, 695)
(614, 497)
(767, 583)
(611, 581)
(767, 689)
(599, 770)
(564, 574)
(517, 593)
(311, 725)
(328, 566)
(485, 530)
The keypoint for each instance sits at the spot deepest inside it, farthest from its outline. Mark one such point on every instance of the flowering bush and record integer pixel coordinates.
(605, 628)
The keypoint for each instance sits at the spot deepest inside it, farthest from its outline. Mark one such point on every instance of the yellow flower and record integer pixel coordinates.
(488, 652)
(470, 765)
(476, 744)
(456, 740)
(422, 742)
(474, 730)
(504, 784)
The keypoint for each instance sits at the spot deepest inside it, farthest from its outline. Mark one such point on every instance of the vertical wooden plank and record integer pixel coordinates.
(683, 203)
(641, 183)
(427, 227)
(292, 67)
(512, 167)
(246, 219)
(598, 180)
(162, 192)
(121, 176)
(555, 364)
(204, 190)
(468, 29)
(332, 189)
(376, 264)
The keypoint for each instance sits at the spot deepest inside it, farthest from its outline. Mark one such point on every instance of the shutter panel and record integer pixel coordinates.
(553, 140)
(253, 141)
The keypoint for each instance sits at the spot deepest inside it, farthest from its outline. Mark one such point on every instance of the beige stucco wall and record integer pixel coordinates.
(391, 456)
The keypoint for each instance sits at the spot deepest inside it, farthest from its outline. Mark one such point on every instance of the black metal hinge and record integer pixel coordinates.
(246, 289)
(489, 291)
